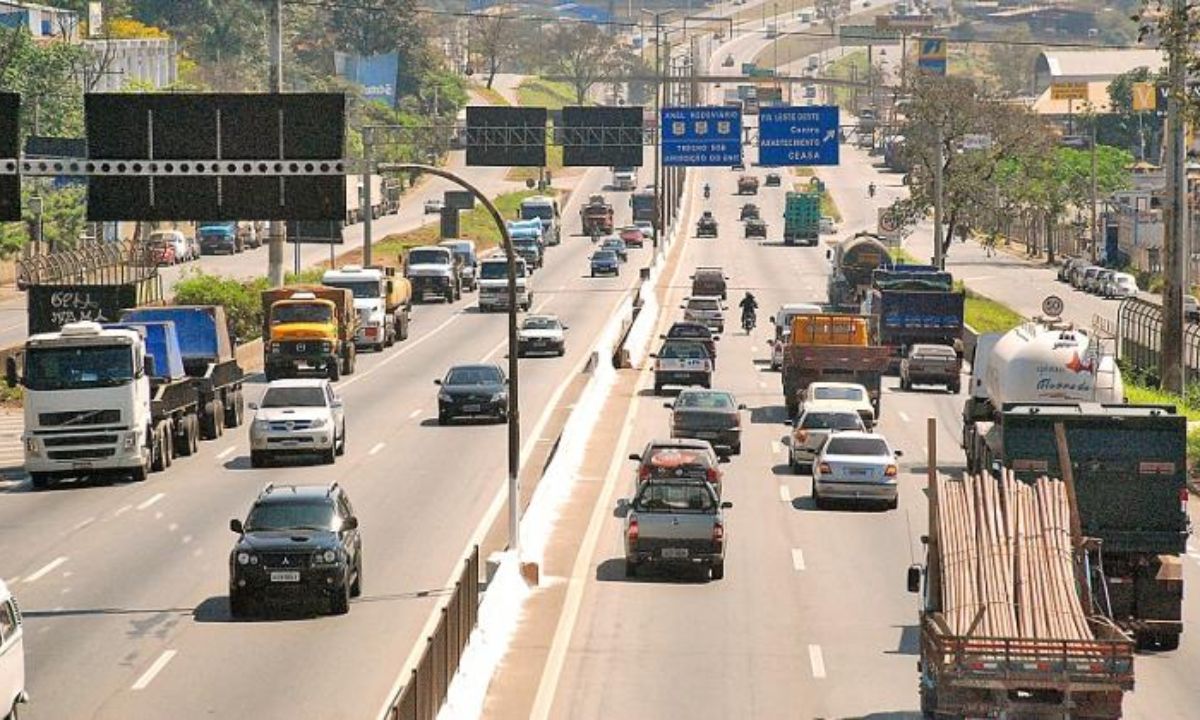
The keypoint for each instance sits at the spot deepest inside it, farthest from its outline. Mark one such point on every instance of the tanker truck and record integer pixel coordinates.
(1129, 464)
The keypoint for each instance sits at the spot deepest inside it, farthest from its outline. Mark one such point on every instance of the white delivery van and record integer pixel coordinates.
(12, 655)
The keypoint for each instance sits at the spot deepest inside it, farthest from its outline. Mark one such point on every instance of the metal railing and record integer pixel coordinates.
(91, 263)
(1138, 332)
(423, 695)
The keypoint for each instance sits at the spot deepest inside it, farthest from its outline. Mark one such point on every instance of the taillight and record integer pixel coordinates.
(713, 475)
(1183, 500)
(632, 533)
(718, 532)
(891, 471)
(823, 468)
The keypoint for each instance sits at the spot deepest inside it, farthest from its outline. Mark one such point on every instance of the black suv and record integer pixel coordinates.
(298, 542)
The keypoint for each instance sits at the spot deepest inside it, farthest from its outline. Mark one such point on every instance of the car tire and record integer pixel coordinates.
(736, 449)
(658, 389)
(955, 388)
(258, 459)
(329, 457)
(339, 604)
(356, 586)
(631, 568)
(717, 571)
(817, 499)
(239, 606)
(893, 503)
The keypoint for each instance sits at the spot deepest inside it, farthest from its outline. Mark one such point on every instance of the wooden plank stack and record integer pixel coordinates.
(1007, 566)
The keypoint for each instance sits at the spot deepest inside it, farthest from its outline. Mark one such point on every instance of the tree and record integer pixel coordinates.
(493, 41)
(581, 52)
(1014, 62)
(959, 108)
(1137, 131)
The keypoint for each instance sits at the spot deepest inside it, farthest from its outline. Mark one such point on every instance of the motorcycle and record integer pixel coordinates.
(871, 190)
(748, 321)
(707, 192)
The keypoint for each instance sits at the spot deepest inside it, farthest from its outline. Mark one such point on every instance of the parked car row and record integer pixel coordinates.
(171, 247)
(1097, 280)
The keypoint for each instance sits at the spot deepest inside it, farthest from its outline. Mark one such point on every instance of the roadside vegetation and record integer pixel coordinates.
(987, 315)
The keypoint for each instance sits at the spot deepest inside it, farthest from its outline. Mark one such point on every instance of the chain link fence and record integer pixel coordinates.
(1138, 332)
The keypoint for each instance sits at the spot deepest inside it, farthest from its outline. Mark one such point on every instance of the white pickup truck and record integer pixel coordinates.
(493, 285)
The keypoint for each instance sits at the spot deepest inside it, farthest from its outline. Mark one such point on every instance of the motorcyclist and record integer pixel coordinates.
(748, 306)
(707, 191)
(871, 190)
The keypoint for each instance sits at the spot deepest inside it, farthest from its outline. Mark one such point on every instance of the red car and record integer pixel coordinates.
(163, 253)
(633, 237)
(680, 458)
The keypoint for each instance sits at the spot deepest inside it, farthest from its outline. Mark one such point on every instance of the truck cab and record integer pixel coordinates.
(433, 270)
(624, 178)
(87, 403)
(545, 209)
(493, 285)
(381, 304)
(308, 329)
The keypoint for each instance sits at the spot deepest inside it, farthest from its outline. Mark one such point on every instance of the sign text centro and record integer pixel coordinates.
(798, 135)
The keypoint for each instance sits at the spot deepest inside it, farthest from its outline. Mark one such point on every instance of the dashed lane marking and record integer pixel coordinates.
(785, 494)
(797, 559)
(414, 414)
(776, 447)
(46, 569)
(122, 510)
(226, 452)
(152, 671)
(903, 416)
(817, 660)
(83, 523)
(151, 500)
(375, 449)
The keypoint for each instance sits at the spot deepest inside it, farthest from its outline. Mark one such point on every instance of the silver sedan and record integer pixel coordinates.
(856, 466)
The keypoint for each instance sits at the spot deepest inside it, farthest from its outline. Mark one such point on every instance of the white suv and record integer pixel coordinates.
(301, 416)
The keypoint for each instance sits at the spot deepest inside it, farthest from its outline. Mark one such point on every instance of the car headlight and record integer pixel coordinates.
(260, 424)
(327, 557)
(318, 423)
(275, 347)
(500, 397)
(445, 397)
(243, 558)
(131, 439)
(326, 347)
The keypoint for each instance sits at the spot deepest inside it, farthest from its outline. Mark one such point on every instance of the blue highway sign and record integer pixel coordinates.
(805, 135)
(699, 136)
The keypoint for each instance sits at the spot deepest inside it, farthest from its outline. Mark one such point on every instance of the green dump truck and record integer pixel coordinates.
(802, 218)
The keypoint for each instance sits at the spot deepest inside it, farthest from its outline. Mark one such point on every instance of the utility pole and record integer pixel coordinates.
(1095, 228)
(939, 260)
(660, 216)
(365, 196)
(1175, 242)
(278, 228)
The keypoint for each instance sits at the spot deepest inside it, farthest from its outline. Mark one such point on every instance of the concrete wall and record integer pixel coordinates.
(150, 61)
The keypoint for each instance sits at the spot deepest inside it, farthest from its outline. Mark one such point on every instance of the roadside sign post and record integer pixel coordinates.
(798, 135)
(701, 136)
(932, 57)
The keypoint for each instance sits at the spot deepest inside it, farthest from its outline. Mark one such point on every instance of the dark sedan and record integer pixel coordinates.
(473, 391)
(712, 415)
(605, 262)
(695, 331)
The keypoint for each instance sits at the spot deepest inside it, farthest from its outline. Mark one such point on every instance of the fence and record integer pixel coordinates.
(1138, 332)
(422, 696)
(92, 263)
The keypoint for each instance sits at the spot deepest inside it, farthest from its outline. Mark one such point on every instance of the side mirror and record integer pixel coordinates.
(337, 403)
(253, 406)
(351, 523)
(741, 406)
(636, 457)
(669, 406)
(236, 526)
(148, 365)
(898, 453)
(662, 337)
(654, 355)
(726, 505)
(914, 578)
(716, 338)
(10, 372)
(437, 382)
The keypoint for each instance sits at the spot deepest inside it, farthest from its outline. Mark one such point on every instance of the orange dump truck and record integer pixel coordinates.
(831, 347)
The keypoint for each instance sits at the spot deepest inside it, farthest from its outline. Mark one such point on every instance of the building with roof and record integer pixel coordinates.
(148, 61)
(1088, 66)
(42, 21)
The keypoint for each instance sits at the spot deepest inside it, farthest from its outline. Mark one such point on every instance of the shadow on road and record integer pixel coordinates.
(910, 641)
(613, 570)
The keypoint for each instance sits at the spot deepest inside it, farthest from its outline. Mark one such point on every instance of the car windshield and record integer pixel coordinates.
(427, 257)
(705, 401)
(674, 497)
(870, 447)
(689, 331)
(710, 304)
(78, 368)
(838, 393)
(541, 212)
(527, 243)
(301, 313)
(162, 238)
(1125, 282)
(540, 323)
(284, 397)
(362, 290)
(474, 376)
(614, 243)
(499, 270)
(605, 256)
(683, 351)
(830, 421)
(933, 351)
(290, 515)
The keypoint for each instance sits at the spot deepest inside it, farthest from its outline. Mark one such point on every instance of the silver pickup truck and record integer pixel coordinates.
(676, 523)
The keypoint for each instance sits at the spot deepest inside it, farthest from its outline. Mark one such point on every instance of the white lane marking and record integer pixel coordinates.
(122, 510)
(776, 447)
(158, 515)
(408, 346)
(152, 671)
(414, 414)
(797, 559)
(903, 416)
(762, 383)
(375, 449)
(83, 523)
(185, 539)
(172, 527)
(226, 452)
(46, 569)
(753, 348)
(817, 661)
(153, 499)
(785, 494)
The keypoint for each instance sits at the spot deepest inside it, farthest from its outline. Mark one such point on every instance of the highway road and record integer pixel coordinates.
(124, 586)
(812, 619)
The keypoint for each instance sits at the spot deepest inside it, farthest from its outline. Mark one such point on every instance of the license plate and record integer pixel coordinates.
(285, 576)
(81, 465)
(472, 408)
(675, 553)
(707, 435)
(858, 473)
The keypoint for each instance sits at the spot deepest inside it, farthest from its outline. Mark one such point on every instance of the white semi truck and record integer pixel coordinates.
(383, 303)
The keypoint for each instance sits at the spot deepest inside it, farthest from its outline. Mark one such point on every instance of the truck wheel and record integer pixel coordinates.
(954, 388)
(389, 338)
(329, 457)
(717, 571)
(404, 327)
(208, 421)
(158, 450)
(239, 607)
(449, 295)
(168, 445)
(40, 481)
(194, 434)
(234, 409)
(334, 371)
(138, 474)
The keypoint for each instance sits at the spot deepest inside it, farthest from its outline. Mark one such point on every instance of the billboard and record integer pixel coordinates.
(375, 73)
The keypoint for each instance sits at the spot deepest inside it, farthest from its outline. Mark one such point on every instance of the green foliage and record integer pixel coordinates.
(536, 92)
(63, 220)
(1138, 132)
(1141, 388)
(987, 315)
(1193, 448)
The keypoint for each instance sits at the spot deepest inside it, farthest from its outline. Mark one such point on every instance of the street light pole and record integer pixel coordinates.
(278, 229)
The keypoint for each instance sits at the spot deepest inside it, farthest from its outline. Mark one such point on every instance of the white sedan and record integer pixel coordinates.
(856, 466)
(541, 334)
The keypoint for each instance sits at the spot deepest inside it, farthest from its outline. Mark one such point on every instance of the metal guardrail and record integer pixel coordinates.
(1138, 331)
(91, 263)
(423, 695)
